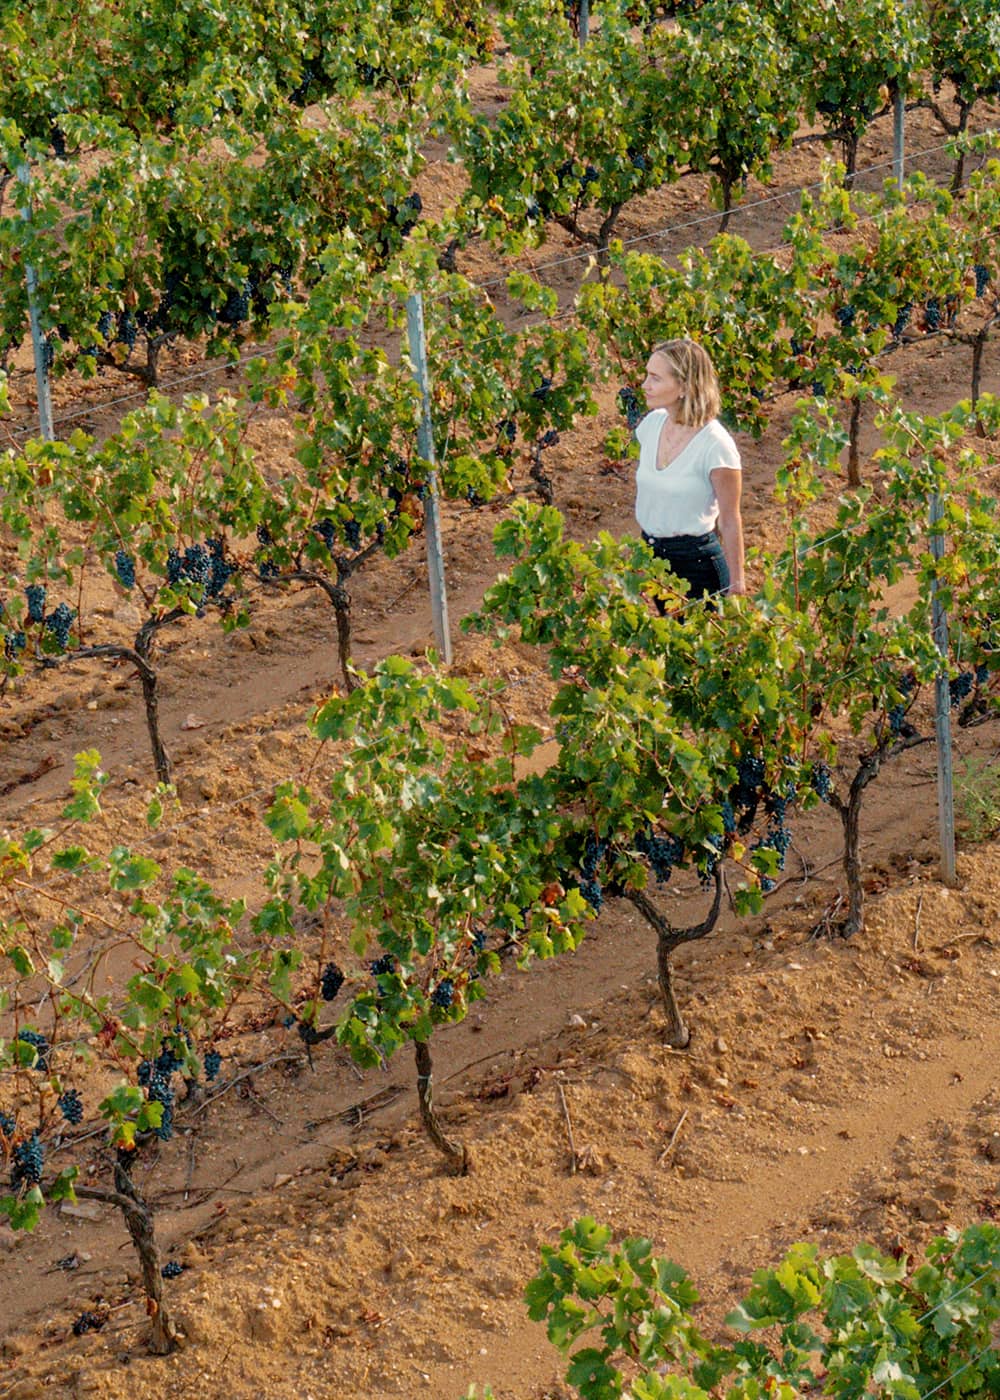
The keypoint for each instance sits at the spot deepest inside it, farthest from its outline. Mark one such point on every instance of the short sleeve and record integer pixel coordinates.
(722, 452)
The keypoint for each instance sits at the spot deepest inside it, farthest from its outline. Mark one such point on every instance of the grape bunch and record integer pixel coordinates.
(331, 981)
(845, 316)
(820, 780)
(35, 594)
(71, 1106)
(220, 571)
(205, 565)
(125, 568)
(41, 1047)
(59, 622)
(88, 1322)
(902, 319)
(237, 304)
(160, 1091)
(443, 994)
(213, 1063)
(897, 714)
(8, 1123)
(662, 853)
(593, 894)
(746, 793)
(628, 402)
(27, 1163)
(173, 1268)
(960, 687)
(932, 314)
(982, 279)
(14, 642)
(382, 966)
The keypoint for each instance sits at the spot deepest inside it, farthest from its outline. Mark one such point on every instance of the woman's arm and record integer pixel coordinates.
(728, 484)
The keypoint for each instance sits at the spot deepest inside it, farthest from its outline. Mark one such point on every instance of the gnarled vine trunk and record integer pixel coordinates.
(667, 939)
(138, 1218)
(456, 1154)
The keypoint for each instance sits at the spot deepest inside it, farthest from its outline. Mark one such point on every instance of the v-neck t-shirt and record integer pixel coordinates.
(679, 499)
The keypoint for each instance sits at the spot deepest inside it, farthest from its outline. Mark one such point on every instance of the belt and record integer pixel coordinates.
(679, 541)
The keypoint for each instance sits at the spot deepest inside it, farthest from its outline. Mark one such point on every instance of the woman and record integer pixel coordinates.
(689, 478)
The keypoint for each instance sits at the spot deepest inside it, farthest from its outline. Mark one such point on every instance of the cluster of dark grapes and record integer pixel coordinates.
(41, 1048)
(88, 1322)
(71, 1106)
(213, 1063)
(205, 565)
(747, 790)
(593, 893)
(125, 568)
(236, 308)
(595, 850)
(821, 780)
(173, 1268)
(845, 316)
(14, 642)
(902, 319)
(327, 531)
(982, 279)
(638, 159)
(961, 687)
(898, 724)
(661, 852)
(443, 994)
(35, 594)
(156, 1078)
(628, 402)
(506, 430)
(331, 981)
(938, 313)
(383, 966)
(298, 96)
(8, 1123)
(403, 216)
(590, 174)
(59, 622)
(27, 1164)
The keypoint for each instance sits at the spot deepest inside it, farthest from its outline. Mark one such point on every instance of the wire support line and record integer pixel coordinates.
(974, 1361)
(944, 1302)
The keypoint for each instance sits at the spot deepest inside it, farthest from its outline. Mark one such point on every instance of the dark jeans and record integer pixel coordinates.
(696, 558)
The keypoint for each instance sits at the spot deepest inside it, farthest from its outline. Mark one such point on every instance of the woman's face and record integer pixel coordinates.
(661, 386)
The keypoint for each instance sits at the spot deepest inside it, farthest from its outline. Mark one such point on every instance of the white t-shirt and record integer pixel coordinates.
(680, 499)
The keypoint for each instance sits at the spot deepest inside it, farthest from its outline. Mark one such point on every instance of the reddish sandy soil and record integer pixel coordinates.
(831, 1091)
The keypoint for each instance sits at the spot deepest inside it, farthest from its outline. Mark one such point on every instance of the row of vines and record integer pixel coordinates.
(176, 511)
(686, 741)
(191, 200)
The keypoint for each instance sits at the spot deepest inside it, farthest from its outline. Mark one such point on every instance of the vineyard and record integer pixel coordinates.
(348, 960)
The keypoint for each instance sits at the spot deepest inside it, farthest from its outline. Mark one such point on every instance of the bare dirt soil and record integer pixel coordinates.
(831, 1091)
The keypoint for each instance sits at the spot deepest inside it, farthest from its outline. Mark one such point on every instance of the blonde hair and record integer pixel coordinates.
(693, 368)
